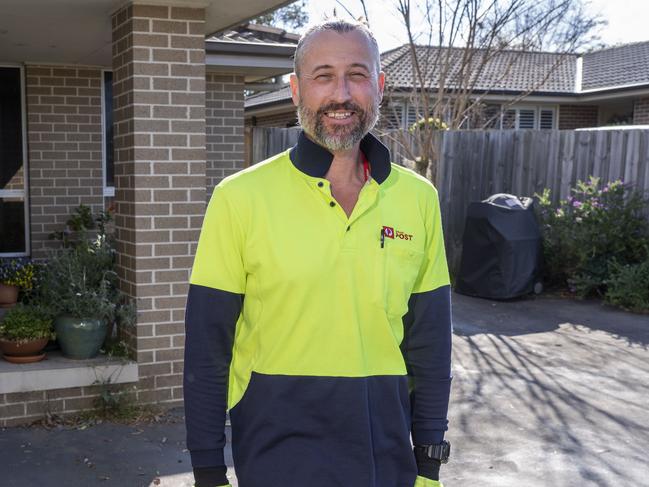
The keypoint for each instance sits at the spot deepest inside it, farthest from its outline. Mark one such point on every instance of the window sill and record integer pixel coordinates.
(58, 372)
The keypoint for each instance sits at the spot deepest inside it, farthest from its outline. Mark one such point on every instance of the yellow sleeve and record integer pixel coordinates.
(219, 261)
(434, 270)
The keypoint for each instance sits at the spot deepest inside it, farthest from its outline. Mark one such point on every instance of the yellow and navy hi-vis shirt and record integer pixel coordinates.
(307, 325)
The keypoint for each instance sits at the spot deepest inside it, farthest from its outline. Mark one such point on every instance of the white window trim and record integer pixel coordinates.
(109, 191)
(555, 115)
(537, 115)
(25, 191)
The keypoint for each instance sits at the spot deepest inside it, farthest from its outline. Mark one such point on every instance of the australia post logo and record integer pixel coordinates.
(390, 232)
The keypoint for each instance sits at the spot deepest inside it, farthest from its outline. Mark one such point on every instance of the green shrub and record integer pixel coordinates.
(75, 283)
(25, 323)
(628, 286)
(80, 280)
(588, 231)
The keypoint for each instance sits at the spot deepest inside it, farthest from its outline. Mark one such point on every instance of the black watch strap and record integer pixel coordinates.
(440, 451)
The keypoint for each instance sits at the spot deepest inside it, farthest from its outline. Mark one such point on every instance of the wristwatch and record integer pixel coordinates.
(440, 452)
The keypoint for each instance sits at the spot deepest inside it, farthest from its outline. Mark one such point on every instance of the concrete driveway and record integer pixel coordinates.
(547, 393)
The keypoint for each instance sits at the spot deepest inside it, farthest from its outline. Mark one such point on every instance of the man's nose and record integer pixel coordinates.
(342, 93)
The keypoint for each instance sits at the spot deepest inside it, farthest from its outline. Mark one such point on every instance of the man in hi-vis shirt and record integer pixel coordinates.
(319, 306)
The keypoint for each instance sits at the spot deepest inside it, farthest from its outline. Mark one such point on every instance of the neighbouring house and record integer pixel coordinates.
(139, 104)
(557, 91)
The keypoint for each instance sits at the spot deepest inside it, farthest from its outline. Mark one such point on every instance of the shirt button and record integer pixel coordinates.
(332, 204)
(320, 184)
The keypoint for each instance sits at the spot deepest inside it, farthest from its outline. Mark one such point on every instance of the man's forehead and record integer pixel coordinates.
(352, 47)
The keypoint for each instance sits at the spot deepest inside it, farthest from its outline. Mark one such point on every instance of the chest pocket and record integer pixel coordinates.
(397, 272)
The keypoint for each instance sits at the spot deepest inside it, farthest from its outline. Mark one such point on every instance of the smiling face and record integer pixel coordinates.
(338, 90)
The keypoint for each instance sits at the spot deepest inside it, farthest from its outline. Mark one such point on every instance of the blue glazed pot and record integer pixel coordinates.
(80, 338)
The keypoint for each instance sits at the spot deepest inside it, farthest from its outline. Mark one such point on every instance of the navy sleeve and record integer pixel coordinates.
(210, 322)
(426, 349)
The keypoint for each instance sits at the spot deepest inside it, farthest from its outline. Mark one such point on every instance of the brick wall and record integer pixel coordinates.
(285, 119)
(641, 111)
(577, 116)
(64, 146)
(23, 407)
(224, 120)
(159, 113)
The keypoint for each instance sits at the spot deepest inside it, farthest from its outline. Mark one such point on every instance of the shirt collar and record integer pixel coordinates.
(314, 160)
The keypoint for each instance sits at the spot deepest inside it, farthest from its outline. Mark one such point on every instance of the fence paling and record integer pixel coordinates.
(476, 164)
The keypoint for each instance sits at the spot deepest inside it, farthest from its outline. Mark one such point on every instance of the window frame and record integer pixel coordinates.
(108, 191)
(25, 191)
(537, 116)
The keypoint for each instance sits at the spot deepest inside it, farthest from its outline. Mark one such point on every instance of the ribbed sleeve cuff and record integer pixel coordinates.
(207, 458)
(210, 476)
(421, 436)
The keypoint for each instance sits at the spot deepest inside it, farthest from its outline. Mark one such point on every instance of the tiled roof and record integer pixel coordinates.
(506, 71)
(616, 66)
(255, 34)
(517, 71)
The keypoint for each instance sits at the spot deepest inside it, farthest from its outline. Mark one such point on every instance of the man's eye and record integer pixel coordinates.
(323, 77)
(358, 75)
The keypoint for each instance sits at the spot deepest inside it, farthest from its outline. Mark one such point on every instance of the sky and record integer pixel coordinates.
(627, 19)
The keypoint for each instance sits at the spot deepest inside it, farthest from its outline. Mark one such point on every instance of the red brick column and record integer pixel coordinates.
(159, 103)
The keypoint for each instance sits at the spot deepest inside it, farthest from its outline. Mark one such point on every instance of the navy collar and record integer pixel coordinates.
(314, 160)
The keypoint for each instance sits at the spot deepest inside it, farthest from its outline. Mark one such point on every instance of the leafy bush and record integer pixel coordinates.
(75, 284)
(25, 323)
(589, 231)
(80, 279)
(628, 286)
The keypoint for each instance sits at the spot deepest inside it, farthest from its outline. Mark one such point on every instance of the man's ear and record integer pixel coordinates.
(381, 82)
(295, 89)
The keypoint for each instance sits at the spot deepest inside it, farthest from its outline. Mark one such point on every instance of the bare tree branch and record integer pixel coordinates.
(453, 76)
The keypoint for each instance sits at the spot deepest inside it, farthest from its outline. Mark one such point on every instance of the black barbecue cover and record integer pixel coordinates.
(501, 248)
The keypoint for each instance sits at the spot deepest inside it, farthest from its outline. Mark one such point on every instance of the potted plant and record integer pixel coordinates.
(24, 332)
(78, 289)
(14, 275)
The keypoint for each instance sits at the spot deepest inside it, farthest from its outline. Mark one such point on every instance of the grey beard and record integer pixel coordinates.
(344, 138)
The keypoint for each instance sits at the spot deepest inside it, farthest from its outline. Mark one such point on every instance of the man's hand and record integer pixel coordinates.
(424, 482)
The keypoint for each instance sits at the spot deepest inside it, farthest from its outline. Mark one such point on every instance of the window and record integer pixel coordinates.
(391, 116)
(528, 118)
(14, 232)
(547, 119)
(107, 119)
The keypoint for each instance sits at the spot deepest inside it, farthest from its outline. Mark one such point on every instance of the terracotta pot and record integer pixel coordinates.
(8, 296)
(23, 352)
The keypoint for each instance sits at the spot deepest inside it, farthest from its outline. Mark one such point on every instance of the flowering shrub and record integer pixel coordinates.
(430, 122)
(17, 272)
(588, 232)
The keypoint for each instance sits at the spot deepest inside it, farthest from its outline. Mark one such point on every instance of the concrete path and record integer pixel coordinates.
(547, 393)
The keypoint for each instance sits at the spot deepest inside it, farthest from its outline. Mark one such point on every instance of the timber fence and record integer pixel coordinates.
(474, 164)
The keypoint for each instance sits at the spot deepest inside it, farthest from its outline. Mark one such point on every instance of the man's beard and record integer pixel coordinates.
(337, 138)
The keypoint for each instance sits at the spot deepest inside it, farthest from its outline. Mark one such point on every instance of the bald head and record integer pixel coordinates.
(341, 27)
